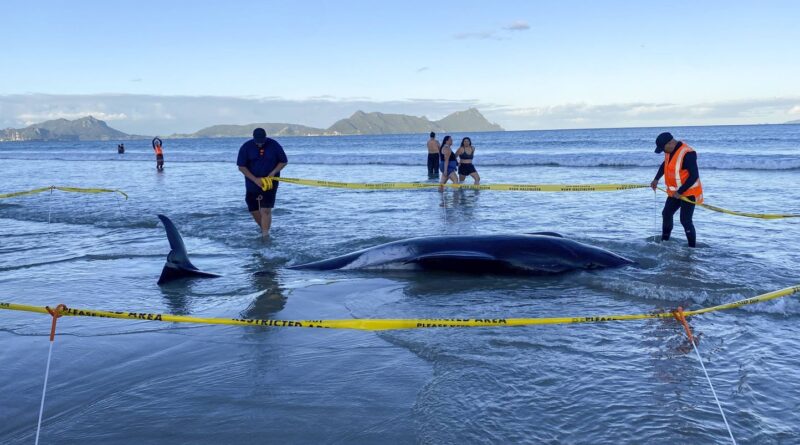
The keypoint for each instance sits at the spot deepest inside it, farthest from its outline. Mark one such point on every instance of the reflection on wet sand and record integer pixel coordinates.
(271, 298)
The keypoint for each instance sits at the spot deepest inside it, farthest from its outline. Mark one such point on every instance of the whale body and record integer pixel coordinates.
(535, 254)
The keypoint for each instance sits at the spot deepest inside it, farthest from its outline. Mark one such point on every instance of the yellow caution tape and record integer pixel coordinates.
(63, 189)
(377, 324)
(733, 212)
(267, 182)
(749, 215)
(27, 192)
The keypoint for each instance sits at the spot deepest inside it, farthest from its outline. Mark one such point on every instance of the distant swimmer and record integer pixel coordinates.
(159, 154)
(121, 149)
(683, 180)
(433, 156)
(465, 154)
(261, 157)
(447, 163)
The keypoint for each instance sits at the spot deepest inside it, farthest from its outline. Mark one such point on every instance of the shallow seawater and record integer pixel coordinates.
(114, 381)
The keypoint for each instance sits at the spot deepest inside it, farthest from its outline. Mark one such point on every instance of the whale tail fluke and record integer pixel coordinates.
(178, 264)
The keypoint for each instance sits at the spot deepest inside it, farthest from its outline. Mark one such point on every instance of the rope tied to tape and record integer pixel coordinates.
(680, 316)
(56, 313)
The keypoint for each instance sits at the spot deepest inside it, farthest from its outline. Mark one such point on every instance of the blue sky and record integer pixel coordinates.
(525, 64)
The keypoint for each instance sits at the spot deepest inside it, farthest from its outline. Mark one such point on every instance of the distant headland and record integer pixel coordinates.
(83, 129)
(360, 123)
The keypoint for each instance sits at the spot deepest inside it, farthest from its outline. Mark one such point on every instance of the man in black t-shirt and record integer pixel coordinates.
(261, 157)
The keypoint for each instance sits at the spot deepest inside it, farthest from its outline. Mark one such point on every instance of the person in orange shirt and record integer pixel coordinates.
(683, 181)
(159, 154)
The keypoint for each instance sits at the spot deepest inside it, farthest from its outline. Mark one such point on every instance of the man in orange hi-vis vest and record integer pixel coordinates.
(683, 180)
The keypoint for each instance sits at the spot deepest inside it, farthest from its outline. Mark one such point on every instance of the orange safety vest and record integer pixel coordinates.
(675, 175)
(157, 148)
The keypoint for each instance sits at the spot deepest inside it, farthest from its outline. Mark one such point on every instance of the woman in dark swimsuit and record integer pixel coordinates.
(465, 168)
(448, 163)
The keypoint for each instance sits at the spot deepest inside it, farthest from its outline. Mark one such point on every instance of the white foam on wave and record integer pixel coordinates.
(783, 160)
(593, 160)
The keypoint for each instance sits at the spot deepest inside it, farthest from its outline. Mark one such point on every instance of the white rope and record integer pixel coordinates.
(119, 206)
(655, 216)
(260, 216)
(444, 206)
(713, 392)
(49, 204)
(44, 391)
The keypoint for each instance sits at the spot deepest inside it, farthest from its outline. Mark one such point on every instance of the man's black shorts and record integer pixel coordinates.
(160, 158)
(267, 198)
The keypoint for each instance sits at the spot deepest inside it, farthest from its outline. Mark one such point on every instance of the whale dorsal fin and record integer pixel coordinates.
(177, 254)
(178, 264)
(557, 235)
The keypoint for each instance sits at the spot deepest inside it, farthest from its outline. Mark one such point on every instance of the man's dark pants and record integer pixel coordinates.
(687, 210)
(433, 165)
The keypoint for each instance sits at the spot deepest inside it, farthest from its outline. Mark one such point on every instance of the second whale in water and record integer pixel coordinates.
(535, 253)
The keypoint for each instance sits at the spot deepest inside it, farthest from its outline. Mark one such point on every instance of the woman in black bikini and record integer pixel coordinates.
(465, 154)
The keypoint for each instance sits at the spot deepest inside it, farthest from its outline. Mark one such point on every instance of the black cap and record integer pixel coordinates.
(662, 140)
(259, 136)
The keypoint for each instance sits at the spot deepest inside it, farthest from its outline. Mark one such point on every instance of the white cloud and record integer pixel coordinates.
(794, 110)
(636, 110)
(570, 115)
(493, 34)
(518, 25)
(480, 35)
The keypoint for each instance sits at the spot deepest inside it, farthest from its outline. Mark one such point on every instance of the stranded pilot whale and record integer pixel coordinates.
(536, 254)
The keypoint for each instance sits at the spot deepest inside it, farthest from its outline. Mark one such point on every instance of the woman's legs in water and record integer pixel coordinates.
(451, 177)
(454, 178)
(476, 177)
